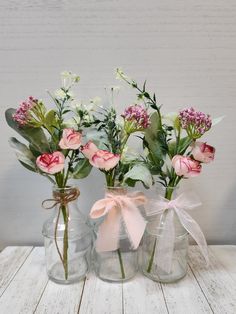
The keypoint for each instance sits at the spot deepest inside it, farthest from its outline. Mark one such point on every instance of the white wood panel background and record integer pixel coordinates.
(186, 50)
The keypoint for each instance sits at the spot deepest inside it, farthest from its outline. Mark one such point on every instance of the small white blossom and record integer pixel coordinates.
(68, 79)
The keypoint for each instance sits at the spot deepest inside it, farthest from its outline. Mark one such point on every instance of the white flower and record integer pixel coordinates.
(76, 105)
(60, 94)
(68, 79)
(72, 123)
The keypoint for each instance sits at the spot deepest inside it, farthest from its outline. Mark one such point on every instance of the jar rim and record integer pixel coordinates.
(66, 188)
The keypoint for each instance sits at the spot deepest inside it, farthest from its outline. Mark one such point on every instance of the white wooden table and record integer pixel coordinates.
(25, 288)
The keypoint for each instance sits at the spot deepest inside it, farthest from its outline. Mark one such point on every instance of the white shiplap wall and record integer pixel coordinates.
(186, 49)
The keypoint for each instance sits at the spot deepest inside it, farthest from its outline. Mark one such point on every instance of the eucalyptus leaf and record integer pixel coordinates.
(23, 154)
(35, 136)
(82, 169)
(139, 172)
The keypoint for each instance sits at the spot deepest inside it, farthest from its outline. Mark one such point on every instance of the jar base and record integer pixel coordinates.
(77, 272)
(109, 269)
(159, 275)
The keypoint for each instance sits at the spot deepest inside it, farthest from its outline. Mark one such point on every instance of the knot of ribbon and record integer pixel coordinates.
(62, 198)
(165, 245)
(118, 208)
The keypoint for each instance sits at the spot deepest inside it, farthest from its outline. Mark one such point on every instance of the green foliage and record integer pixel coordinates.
(51, 121)
(155, 141)
(182, 146)
(139, 172)
(81, 170)
(35, 136)
(108, 124)
(23, 154)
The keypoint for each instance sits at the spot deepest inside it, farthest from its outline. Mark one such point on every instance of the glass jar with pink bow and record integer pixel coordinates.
(120, 224)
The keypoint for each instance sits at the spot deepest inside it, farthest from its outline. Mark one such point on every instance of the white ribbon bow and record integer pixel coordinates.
(165, 245)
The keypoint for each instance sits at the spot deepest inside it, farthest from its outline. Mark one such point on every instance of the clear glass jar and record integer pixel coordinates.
(119, 265)
(67, 238)
(150, 254)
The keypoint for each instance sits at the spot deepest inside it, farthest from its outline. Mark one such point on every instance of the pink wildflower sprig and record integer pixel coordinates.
(22, 115)
(196, 123)
(136, 118)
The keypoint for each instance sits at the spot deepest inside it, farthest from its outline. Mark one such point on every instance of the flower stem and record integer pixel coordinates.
(121, 264)
(168, 194)
(65, 241)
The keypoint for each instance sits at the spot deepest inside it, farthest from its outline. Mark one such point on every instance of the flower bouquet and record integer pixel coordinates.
(53, 145)
(120, 232)
(173, 153)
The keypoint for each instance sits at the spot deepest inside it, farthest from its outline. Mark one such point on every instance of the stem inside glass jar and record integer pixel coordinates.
(168, 195)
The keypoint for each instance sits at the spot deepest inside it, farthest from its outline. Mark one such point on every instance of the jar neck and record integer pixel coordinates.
(168, 192)
(117, 190)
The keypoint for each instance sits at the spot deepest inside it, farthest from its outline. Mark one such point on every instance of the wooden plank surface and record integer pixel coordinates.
(142, 295)
(226, 254)
(185, 296)
(26, 289)
(24, 292)
(60, 299)
(216, 283)
(11, 260)
(101, 297)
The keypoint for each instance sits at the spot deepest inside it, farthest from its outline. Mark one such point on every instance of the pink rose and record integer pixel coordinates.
(186, 166)
(89, 149)
(203, 152)
(70, 139)
(51, 163)
(104, 160)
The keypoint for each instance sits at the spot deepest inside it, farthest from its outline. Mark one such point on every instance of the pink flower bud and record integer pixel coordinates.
(51, 163)
(186, 166)
(89, 149)
(203, 152)
(70, 139)
(103, 159)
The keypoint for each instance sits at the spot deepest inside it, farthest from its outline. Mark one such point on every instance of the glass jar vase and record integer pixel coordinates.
(153, 253)
(121, 264)
(67, 238)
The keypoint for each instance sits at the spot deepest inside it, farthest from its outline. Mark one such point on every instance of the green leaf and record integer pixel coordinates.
(35, 136)
(139, 172)
(155, 139)
(23, 154)
(51, 121)
(182, 147)
(82, 169)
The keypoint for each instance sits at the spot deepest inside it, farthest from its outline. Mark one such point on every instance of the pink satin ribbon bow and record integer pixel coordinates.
(165, 246)
(118, 207)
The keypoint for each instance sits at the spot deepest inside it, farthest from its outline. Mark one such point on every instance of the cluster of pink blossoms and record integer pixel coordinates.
(22, 114)
(137, 114)
(196, 122)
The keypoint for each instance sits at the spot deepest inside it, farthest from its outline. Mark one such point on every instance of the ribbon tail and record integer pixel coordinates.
(165, 245)
(195, 231)
(134, 223)
(108, 232)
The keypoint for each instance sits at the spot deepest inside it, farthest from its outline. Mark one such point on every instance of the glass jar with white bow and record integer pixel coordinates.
(166, 239)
